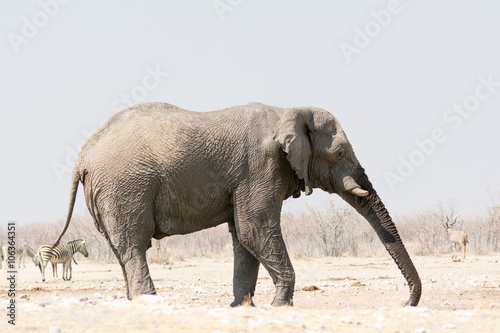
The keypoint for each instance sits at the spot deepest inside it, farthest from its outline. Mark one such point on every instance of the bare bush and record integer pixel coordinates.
(210, 242)
(426, 233)
(82, 227)
(334, 230)
(205, 243)
(492, 225)
(432, 226)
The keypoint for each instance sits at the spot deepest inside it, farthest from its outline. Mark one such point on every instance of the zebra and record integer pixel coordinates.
(22, 251)
(54, 265)
(68, 266)
(63, 253)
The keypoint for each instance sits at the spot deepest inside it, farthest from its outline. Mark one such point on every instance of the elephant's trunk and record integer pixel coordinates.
(373, 210)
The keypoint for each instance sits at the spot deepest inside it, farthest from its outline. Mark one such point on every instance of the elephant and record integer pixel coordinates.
(154, 170)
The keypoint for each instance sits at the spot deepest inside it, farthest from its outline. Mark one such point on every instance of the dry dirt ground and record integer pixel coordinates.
(332, 294)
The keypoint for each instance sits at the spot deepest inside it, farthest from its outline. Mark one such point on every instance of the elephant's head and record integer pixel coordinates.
(319, 152)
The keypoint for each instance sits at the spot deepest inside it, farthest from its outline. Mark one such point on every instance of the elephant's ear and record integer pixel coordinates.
(291, 132)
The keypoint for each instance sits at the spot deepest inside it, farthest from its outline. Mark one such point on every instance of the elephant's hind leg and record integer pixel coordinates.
(136, 269)
(246, 270)
(130, 238)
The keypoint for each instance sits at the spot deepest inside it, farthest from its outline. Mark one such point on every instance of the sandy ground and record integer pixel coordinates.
(332, 294)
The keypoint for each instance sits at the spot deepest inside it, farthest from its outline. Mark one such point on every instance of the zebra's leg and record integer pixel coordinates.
(54, 270)
(65, 271)
(69, 270)
(23, 258)
(44, 266)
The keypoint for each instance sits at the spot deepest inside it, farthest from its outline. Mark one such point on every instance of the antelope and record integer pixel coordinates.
(457, 237)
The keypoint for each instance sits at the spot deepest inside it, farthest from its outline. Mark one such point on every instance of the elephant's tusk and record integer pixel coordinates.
(359, 192)
(308, 187)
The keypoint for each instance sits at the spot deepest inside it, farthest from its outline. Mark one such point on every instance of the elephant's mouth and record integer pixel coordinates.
(330, 185)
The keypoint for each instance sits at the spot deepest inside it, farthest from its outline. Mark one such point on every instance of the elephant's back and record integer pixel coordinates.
(133, 127)
(127, 144)
(136, 117)
(159, 138)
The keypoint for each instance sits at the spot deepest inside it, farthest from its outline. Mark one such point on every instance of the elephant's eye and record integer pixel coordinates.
(340, 155)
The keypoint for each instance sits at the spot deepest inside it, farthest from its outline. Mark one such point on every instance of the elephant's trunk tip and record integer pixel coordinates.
(415, 292)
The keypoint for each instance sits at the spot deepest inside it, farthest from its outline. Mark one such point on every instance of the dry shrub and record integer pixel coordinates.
(334, 230)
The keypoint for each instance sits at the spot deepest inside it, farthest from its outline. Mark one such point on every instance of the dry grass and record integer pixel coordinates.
(334, 231)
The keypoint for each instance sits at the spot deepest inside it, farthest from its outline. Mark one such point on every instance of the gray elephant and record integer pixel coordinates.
(155, 170)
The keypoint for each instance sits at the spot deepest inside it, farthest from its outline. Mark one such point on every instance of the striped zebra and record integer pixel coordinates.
(22, 251)
(63, 253)
(54, 266)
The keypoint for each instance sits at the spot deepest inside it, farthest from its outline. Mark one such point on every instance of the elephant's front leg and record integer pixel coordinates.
(258, 230)
(246, 270)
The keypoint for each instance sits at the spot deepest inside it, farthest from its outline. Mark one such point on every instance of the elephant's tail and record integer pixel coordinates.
(72, 198)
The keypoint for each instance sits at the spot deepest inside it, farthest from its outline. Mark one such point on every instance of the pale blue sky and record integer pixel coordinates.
(388, 70)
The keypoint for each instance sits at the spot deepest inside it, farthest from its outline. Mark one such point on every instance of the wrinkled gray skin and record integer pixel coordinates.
(155, 170)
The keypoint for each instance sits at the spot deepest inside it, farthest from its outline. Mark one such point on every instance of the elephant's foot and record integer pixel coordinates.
(140, 287)
(135, 296)
(137, 290)
(284, 296)
(245, 301)
(281, 302)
